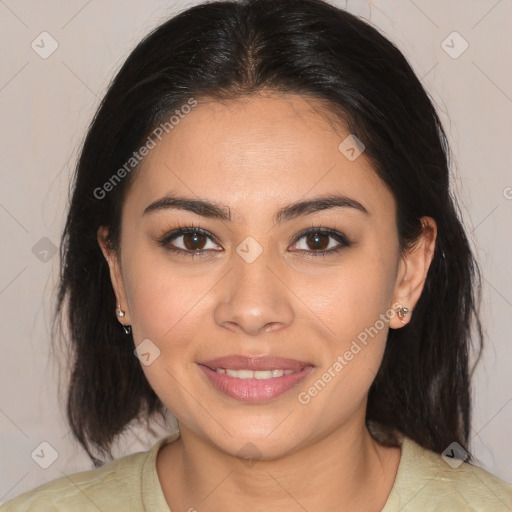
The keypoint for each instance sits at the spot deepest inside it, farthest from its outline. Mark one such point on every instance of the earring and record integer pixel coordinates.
(120, 314)
(402, 311)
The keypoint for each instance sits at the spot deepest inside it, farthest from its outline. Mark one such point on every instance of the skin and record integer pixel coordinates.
(257, 155)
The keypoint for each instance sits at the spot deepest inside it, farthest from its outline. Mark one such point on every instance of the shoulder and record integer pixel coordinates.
(427, 481)
(86, 491)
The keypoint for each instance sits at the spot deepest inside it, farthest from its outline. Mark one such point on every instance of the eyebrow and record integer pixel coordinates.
(219, 211)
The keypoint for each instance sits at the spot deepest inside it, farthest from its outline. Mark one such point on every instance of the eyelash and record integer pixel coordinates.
(183, 230)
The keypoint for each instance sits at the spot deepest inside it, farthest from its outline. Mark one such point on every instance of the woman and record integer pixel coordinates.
(262, 240)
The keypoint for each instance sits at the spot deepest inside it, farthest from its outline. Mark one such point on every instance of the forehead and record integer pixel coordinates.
(255, 151)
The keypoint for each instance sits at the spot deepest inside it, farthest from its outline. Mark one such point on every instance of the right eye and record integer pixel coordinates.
(191, 241)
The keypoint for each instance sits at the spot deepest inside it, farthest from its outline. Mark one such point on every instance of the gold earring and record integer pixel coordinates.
(402, 311)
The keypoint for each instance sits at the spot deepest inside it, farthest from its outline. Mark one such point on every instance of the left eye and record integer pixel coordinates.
(317, 241)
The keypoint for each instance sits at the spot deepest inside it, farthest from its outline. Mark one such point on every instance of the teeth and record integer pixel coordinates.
(250, 374)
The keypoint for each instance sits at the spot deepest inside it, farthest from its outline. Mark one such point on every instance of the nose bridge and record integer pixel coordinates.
(252, 273)
(255, 297)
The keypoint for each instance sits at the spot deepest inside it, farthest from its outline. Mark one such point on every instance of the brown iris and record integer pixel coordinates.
(197, 238)
(315, 238)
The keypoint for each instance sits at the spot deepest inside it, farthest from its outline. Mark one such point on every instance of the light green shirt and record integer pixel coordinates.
(424, 483)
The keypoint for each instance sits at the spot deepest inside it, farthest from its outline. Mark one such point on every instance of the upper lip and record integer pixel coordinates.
(240, 362)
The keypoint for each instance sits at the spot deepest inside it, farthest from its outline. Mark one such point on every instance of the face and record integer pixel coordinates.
(261, 279)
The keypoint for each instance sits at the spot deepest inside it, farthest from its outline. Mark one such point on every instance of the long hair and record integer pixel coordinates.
(224, 50)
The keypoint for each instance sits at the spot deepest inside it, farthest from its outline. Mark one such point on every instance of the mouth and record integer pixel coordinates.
(255, 379)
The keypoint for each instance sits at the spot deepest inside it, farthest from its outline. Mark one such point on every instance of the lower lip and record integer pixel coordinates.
(254, 390)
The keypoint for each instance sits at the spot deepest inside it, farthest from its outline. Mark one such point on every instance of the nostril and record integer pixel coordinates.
(270, 327)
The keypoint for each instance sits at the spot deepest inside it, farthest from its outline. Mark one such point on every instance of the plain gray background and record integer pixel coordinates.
(47, 104)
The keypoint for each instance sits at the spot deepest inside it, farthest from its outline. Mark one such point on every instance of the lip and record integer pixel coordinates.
(254, 390)
(240, 362)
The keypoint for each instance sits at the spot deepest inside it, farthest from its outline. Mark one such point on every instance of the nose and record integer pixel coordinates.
(254, 297)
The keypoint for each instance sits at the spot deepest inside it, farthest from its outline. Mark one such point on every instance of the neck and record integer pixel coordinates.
(347, 468)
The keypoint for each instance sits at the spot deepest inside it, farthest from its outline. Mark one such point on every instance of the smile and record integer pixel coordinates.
(254, 386)
(251, 374)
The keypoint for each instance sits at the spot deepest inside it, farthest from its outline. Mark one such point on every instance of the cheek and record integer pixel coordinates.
(350, 297)
(164, 309)
(163, 298)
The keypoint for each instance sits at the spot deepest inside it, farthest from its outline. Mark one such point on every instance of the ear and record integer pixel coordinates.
(412, 272)
(115, 274)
